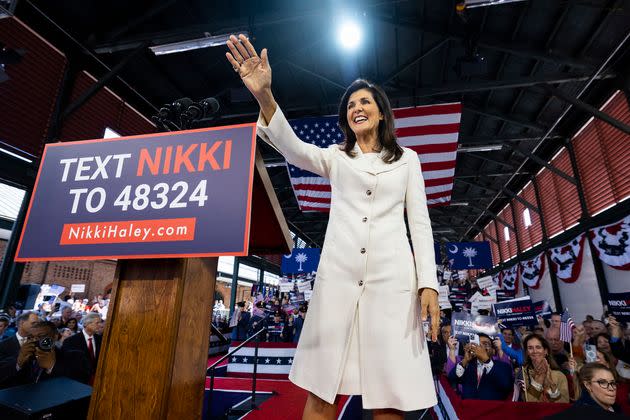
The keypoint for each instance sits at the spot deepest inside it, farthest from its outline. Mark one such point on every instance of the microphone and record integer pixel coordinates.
(211, 106)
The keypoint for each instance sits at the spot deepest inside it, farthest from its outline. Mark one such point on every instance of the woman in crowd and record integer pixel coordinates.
(599, 387)
(602, 341)
(544, 382)
(72, 325)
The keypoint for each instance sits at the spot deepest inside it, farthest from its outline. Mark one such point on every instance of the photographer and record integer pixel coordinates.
(481, 377)
(38, 359)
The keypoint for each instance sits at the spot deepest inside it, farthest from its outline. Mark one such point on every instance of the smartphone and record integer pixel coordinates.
(474, 339)
(590, 353)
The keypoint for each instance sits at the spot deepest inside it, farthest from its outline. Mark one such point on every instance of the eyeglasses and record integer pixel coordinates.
(604, 384)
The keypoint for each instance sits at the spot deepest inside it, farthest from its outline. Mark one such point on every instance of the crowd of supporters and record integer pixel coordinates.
(63, 339)
(283, 319)
(533, 364)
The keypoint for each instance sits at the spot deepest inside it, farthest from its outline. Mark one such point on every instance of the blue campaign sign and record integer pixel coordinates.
(465, 326)
(619, 305)
(516, 312)
(182, 194)
(543, 309)
(301, 260)
(469, 255)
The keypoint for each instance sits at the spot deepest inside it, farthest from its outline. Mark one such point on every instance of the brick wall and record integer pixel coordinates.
(96, 275)
(242, 292)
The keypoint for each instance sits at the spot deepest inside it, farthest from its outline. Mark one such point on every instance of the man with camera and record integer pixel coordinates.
(36, 358)
(481, 377)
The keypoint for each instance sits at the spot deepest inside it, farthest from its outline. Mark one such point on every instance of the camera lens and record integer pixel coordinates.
(45, 344)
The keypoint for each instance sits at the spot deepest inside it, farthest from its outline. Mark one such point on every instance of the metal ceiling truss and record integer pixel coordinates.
(490, 43)
(532, 125)
(588, 109)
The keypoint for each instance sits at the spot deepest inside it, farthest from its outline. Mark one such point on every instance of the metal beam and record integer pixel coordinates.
(317, 75)
(115, 34)
(498, 162)
(588, 109)
(489, 42)
(473, 140)
(415, 59)
(102, 82)
(474, 184)
(467, 87)
(90, 53)
(542, 162)
(492, 113)
(488, 174)
(521, 200)
(496, 217)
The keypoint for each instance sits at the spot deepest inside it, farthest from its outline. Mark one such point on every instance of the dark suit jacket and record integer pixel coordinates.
(242, 326)
(437, 356)
(621, 349)
(77, 342)
(71, 364)
(494, 385)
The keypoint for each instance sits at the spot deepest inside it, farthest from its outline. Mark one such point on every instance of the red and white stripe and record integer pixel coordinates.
(432, 131)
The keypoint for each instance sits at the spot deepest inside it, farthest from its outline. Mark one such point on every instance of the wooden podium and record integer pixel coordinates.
(153, 361)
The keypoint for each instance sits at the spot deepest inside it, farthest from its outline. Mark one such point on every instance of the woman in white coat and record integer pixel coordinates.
(363, 334)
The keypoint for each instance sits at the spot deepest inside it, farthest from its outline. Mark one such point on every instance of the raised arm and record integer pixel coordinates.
(273, 127)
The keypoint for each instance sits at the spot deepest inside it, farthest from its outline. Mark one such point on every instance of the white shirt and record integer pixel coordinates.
(20, 339)
(87, 341)
(459, 370)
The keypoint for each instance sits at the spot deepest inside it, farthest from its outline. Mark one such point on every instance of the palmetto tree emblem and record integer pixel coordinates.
(470, 253)
(300, 259)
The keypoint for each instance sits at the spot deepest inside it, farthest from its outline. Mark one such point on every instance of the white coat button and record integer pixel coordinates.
(362, 250)
(364, 219)
(360, 282)
(369, 192)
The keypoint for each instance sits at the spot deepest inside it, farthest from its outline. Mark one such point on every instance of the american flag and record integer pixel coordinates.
(566, 327)
(431, 131)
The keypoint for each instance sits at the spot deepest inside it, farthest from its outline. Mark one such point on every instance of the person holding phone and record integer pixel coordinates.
(481, 377)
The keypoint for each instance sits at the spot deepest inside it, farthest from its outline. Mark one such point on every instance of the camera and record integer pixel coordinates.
(45, 344)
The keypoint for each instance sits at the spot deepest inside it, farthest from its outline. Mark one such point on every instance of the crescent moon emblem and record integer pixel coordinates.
(287, 256)
(453, 251)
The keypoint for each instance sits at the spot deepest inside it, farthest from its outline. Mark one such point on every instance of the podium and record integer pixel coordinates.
(155, 348)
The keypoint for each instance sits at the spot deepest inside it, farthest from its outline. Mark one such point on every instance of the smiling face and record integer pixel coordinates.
(535, 350)
(363, 113)
(603, 344)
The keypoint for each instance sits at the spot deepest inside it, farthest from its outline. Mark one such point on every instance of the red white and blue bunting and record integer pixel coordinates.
(496, 278)
(509, 278)
(532, 271)
(566, 260)
(612, 243)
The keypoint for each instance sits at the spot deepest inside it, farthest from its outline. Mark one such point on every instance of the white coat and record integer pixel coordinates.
(363, 330)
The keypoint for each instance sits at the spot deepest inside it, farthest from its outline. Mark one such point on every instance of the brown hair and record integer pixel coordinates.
(588, 371)
(386, 128)
(528, 362)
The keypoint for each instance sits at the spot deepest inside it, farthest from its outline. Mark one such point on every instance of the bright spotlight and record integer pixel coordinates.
(349, 35)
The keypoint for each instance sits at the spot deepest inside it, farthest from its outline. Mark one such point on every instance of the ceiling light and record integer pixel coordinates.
(487, 148)
(447, 230)
(470, 4)
(458, 203)
(193, 44)
(15, 155)
(349, 35)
